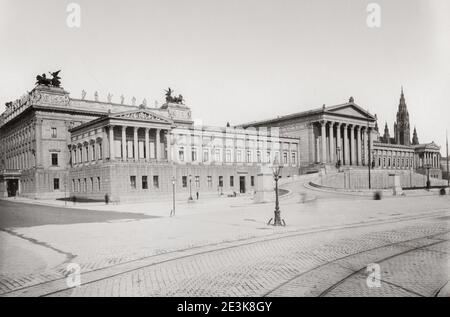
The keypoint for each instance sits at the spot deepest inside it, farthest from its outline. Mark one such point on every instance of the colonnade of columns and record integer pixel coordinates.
(162, 150)
(432, 159)
(344, 142)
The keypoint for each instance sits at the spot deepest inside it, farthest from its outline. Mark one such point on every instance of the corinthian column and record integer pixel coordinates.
(124, 143)
(324, 143)
(346, 160)
(111, 142)
(147, 144)
(358, 144)
(331, 133)
(158, 144)
(135, 144)
(352, 145)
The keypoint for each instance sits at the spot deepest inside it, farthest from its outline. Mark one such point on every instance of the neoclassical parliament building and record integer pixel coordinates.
(55, 146)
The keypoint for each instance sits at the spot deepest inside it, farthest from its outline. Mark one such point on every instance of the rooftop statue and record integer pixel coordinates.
(49, 82)
(172, 99)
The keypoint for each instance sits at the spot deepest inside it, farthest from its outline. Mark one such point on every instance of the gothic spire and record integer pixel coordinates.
(415, 139)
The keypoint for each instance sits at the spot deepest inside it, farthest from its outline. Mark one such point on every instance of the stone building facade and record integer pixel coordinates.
(54, 146)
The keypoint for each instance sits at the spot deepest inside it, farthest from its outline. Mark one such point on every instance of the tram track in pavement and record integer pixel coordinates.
(137, 264)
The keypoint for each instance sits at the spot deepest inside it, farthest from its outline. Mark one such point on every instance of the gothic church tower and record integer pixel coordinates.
(402, 133)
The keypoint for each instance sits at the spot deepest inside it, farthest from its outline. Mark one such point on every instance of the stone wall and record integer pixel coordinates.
(358, 179)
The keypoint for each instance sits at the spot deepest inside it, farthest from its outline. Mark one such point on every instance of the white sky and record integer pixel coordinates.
(239, 60)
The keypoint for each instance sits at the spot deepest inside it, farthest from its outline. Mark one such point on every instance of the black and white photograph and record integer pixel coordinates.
(224, 154)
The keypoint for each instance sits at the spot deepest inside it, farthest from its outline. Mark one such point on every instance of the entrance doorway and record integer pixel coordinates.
(242, 184)
(12, 187)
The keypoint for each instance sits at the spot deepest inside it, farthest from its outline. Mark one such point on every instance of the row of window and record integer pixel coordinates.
(388, 162)
(91, 184)
(239, 158)
(88, 153)
(144, 182)
(184, 181)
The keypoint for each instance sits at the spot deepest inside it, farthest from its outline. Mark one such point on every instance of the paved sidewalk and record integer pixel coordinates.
(206, 223)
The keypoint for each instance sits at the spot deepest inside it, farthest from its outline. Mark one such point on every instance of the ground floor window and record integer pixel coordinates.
(156, 181)
(98, 182)
(197, 181)
(92, 184)
(209, 181)
(56, 183)
(220, 181)
(144, 182)
(252, 180)
(133, 182)
(231, 181)
(184, 181)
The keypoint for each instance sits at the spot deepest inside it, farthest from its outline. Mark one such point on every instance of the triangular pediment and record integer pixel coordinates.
(142, 115)
(350, 110)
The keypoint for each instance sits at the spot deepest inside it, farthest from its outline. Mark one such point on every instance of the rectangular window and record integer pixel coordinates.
(129, 149)
(249, 156)
(268, 157)
(100, 151)
(252, 180)
(133, 182)
(144, 182)
(217, 156)
(293, 158)
(98, 183)
(258, 156)
(92, 184)
(141, 146)
(194, 154)
(73, 185)
(231, 181)
(181, 154)
(87, 153)
(56, 183)
(228, 156)
(209, 181)
(285, 157)
(184, 181)
(54, 133)
(197, 181)
(220, 181)
(155, 181)
(85, 185)
(54, 159)
(239, 156)
(93, 152)
(205, 155)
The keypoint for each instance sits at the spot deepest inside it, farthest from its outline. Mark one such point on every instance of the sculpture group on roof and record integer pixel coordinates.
(49, 82)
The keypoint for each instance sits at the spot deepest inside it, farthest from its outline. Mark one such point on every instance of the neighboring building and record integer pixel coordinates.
(347, 133)
(328, 134)
(54, 146)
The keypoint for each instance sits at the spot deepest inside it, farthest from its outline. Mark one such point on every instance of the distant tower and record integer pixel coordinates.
(415, 139)
(386, 136)
(402, 134)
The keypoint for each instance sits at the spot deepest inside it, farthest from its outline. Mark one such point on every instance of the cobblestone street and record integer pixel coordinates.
(229, 251)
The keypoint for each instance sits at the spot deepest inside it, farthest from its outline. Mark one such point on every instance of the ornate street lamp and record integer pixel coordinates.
(276, 169)
(190, 187)
(172, 212)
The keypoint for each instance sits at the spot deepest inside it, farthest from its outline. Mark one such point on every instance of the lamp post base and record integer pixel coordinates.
(277, 220)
